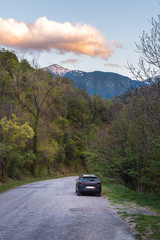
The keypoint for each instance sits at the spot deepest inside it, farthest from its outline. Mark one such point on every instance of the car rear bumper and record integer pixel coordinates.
(86, 190)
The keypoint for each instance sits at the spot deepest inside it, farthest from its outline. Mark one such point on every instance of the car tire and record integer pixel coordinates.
(78, 193)
(99, 194)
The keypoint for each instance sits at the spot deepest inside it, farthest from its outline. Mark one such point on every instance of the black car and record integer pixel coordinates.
(87, 183)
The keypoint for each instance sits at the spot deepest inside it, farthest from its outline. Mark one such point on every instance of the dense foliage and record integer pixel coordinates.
(130, 144)
(47, 125)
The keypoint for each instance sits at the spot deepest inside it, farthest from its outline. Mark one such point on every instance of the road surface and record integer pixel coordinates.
(50, 210)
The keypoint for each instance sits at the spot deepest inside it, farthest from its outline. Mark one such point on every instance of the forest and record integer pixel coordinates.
(50, 126)
(47, 126)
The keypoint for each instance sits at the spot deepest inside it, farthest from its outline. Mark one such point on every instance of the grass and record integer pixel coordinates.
(10, 183)
(146, 226)
(120, 194)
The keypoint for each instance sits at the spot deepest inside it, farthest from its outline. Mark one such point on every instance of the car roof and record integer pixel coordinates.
(88, 175)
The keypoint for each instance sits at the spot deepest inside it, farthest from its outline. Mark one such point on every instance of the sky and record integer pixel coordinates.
(87, 35)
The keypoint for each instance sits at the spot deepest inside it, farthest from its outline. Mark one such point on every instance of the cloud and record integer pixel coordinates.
(112, 65)
(118, 45)
(47, 35)
(70, 60)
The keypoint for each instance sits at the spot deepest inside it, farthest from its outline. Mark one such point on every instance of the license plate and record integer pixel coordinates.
(90, 187)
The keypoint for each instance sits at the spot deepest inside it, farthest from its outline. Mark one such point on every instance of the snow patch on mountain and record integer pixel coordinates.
(57, 70)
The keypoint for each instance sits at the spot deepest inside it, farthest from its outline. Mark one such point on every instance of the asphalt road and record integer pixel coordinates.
(50, 210)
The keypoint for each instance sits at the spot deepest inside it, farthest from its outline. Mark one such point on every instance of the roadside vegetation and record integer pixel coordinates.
(141, 211)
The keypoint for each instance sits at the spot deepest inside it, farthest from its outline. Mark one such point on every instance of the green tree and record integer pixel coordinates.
(13, 138)
(36, 94)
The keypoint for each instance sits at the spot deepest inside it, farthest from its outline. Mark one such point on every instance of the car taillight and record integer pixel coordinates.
(99, 184)
(80, 183)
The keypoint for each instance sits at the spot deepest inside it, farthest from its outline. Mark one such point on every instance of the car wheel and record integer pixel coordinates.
(78, 193)
(99, 194)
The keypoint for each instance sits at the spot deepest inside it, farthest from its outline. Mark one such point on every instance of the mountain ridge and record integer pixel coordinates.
(105, 84)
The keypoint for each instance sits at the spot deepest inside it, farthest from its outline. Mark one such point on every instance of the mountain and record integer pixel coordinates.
(105, 84)
(56, 69)
(152, 81)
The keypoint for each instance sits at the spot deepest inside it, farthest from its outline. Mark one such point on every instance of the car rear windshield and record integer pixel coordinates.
(90, 179)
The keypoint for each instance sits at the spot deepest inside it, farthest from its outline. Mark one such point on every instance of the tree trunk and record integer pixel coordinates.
(3, 167)
(35, 138)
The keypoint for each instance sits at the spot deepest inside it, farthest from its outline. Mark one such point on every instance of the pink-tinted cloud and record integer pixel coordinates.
(47, 35)
(118, 45)
(70, 60)
(112, 65)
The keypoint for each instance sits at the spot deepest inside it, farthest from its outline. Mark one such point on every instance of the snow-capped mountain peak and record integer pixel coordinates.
(105, 84)
(57, 70)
